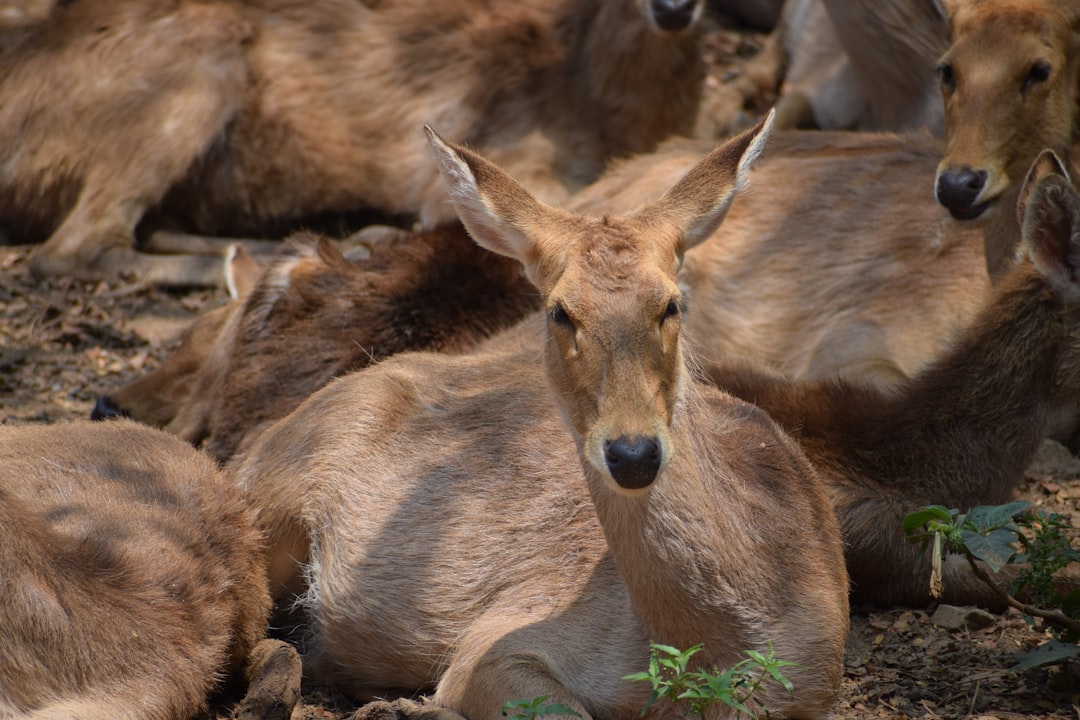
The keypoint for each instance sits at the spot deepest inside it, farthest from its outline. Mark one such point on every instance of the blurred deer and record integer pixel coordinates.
(964, 429)
(242, 116)
(443, 531)
(132, 580)
(312, 315)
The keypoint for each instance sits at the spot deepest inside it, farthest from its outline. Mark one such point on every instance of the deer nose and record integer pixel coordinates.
(633, 462)
(106, 409)
(673, 15)
(958, 188)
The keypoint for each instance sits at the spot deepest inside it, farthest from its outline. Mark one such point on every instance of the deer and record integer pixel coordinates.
(960, 432)
(133, 581)
(313, 314)
(246, 118)
(571, 492)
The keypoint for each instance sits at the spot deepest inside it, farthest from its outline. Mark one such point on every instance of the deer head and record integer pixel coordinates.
(1009, 82)
(613, 304)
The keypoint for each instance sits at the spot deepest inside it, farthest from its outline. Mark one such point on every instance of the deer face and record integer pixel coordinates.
(613, 304)
(1008, 83)
(613, 358)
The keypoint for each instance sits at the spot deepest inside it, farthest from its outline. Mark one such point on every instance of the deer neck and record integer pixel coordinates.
(671, 552)
(986, 403)
(615, 55)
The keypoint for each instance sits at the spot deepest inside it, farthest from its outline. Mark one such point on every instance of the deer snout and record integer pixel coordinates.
(106, 409)
(673, 15)
(958, 189)
(633, 462)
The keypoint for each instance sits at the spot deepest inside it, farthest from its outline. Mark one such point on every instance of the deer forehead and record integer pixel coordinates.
(613, 264)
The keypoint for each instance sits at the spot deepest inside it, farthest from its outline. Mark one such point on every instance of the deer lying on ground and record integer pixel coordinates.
(529, 569)
(963, 430)
(311, 316)
(840, 423)
(238, 117)
(132, 580)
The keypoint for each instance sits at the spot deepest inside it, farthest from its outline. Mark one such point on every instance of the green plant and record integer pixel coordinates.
(536, 708)
(671, 677)
(1036, 544)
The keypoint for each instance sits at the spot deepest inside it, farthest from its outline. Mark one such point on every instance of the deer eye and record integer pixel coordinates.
(1039, 73)
(558, 315)
(674, 309)
(948, 77)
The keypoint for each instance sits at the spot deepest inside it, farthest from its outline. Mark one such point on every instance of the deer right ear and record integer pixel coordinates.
(1050, 229)
(498, 212)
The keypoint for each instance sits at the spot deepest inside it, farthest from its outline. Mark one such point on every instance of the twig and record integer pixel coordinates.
(1052, 616)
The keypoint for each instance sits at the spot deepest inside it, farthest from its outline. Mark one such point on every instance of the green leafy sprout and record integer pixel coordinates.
(993, 535)
(670, 675)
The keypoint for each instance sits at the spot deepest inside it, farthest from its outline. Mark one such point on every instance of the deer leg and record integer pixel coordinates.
(273, 674)
(170, 242)
(177, 82)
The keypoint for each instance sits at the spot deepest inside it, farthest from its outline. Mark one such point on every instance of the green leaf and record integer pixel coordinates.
(916, 521)
(988, 517)
(1052, 653)
(994, 549)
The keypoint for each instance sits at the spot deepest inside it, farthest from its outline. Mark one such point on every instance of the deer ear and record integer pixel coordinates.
(1050, 229)
(242, 271)
(700, 200)
(498, 212)
(1045, 165)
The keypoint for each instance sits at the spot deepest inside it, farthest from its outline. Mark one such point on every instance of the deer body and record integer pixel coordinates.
(266, 112)
(132, 580)
(959, 433)
(516, 571)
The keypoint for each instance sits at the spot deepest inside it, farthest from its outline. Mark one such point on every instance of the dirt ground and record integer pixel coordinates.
(63, 343)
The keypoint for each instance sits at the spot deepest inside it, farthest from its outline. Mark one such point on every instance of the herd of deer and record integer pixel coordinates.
(645, 390)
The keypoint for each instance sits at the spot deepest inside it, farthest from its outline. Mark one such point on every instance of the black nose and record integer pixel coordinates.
(106, 409)
(633, 462)
(673, 15)
(957, 189)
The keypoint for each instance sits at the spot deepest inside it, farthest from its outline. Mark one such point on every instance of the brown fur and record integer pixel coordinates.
(961, 432)
(451, 539)
(235, 116)
(132, 578)
(313, 316)
(856, 64)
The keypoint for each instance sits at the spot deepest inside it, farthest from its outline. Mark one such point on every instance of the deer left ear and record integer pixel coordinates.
(499, 213)
(698, 203)
(1050, 229)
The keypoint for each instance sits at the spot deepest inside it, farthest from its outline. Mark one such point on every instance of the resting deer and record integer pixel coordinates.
(240, 117)
(311, 316)
(132, 580)
(963, 430)
(525, 568)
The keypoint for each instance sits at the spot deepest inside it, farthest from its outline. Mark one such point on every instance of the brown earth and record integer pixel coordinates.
(62, 343)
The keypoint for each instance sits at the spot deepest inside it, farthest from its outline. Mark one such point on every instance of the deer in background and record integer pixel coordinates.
(963, 430)
(238, 117)
(312, 315)
(132, 580)
(530, 568)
